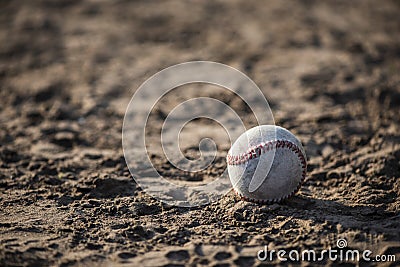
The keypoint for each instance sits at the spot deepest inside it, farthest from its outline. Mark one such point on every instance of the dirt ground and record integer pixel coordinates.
(329, 69)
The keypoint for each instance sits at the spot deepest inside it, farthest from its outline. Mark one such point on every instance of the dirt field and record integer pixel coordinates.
(329, 69)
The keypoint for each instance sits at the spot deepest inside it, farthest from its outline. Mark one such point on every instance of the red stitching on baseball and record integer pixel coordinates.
(264, 147)
(256, 151)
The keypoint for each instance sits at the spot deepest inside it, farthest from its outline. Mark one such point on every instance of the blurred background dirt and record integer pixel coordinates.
(330, 70)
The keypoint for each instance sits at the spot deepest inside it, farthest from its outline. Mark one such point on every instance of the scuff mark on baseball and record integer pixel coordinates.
(266, 164)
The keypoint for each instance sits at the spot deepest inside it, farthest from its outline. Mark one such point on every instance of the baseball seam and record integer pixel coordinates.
(257, 151)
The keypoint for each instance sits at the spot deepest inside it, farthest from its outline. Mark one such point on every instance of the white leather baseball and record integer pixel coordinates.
(266, 164)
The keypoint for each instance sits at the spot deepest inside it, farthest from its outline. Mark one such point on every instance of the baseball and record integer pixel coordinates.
(266, 164)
